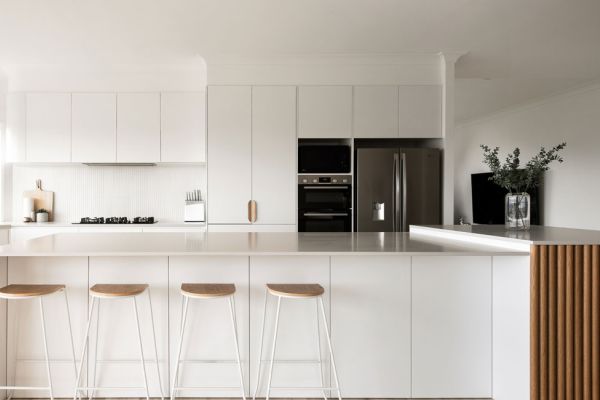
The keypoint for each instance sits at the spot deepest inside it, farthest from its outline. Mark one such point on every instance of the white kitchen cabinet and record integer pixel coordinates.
(511, 327)
(274, 154)
(420, 111)
(229, 153)
(297, 338)
(94, 124)
(16, 127)
(451, 327)
(138, 127)
(375, 112)
(25, 352)
(48, 137)
(325, 112)
(208, 331)
(370, 323)
(251, 228)
(183, 127)
(118, 348)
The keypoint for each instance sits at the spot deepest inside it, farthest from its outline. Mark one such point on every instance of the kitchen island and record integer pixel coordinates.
(411, 315)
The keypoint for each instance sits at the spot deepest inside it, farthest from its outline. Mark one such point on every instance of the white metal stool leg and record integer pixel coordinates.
(70, 333)
(184, 302)
(237, 348)
(95, 362)
(273, 348)
(46, 348)
(335, 375)
(137, 320)
(260, 351)
(162, 394)
(319, 349)
(85, 343)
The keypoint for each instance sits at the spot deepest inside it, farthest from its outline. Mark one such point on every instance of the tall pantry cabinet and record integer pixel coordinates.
(252, 156)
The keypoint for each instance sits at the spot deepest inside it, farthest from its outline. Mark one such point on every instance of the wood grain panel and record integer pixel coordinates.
(565, 322)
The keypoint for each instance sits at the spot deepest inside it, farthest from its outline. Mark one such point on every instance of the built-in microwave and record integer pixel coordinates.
(324, 158)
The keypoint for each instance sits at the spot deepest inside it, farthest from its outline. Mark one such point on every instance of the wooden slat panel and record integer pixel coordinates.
(552, 331)
(596, 322)
(543, 322)
(587, 323)
(570, 323)
(561, 323)
(534, 305)
(578, 380)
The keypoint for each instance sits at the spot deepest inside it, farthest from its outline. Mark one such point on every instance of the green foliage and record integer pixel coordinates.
(514, 178)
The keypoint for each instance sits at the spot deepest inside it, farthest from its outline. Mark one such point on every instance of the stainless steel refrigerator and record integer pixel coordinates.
(397, 187)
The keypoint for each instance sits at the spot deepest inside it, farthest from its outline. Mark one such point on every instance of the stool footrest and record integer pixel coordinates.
(24, 388)
(208, 388)
(207, 361)
(303, 388)
(111, 388)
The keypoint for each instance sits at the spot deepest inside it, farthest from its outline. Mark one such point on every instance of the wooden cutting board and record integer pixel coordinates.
(41, 199)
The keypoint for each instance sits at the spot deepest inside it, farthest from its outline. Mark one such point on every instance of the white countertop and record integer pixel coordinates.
(497, 234)
(159, 224)
(230, 243)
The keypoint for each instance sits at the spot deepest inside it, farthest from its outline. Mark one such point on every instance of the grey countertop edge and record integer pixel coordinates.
(268, 253)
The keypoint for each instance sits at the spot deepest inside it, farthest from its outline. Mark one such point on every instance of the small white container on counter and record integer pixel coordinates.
(194, 211)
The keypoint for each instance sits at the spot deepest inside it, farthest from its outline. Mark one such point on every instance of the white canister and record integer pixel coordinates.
(28, 207)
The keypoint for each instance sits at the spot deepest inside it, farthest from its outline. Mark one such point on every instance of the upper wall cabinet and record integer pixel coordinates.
(420, 111)
(325, 111)
(16, 125)
(94, 127)
(138, 127)
(375, 112)
(48, 136)
(183, 127)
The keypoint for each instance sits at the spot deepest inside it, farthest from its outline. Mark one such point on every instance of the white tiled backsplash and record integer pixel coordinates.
(103, 191)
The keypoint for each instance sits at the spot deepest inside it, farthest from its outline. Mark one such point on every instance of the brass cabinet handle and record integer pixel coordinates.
(252, 211)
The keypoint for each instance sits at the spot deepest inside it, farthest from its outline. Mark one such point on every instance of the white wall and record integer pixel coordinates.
(81, 191)
(571, 193)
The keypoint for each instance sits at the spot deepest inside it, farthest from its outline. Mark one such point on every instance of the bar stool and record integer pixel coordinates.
(205, 291)
(100, 292)
(24, 292)
(296, 292)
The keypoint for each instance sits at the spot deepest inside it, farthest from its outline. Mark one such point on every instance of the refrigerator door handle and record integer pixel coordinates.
(404, 194)
(396, 194)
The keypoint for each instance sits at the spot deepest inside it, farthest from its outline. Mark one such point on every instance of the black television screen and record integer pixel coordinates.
(488, 201)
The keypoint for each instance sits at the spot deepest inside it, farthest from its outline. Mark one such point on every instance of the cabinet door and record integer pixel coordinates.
(420, 109)
(325, 111)
(370, 324)
(208, 331)
(138, 127)
(452, 326)
(183, 127)
(94, 122)
(274, 154)
(297, 335)
(251, 228)
(229, 154)
(375, 112)
(48, 127)
(16, 125)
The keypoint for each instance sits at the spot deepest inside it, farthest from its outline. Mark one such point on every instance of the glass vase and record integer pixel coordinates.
(517, 216)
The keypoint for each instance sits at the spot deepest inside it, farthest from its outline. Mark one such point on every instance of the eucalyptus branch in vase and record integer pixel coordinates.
(517, 180)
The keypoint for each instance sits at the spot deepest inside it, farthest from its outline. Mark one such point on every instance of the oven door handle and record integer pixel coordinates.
(325, 187)
(316, 214)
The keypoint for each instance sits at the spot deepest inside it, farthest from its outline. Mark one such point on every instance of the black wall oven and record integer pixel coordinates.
(324, 203)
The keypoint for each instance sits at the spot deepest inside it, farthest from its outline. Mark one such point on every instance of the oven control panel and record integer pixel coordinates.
(324, 179)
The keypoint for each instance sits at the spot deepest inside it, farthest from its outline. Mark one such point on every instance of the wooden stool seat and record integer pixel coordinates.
(17, 291)
(295, 289)
(117, 290)
(207, 290)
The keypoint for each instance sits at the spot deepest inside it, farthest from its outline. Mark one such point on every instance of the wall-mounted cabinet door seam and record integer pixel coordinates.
(48, 137)
(274, 153)
(94, 119)
(138, 127)
(375, 112)
(229, 154)
(325, 112)
(420, 111)
(183, 127)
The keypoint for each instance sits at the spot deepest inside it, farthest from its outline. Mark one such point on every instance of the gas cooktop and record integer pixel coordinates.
(116, 220)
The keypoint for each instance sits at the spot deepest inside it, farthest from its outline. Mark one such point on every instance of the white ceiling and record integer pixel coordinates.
(518, 49)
